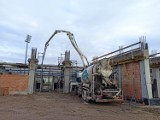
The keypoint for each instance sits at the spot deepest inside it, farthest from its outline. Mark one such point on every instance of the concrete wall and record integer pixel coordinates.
(17, 84)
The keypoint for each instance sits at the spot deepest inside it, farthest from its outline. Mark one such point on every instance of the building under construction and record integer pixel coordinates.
(135, 71)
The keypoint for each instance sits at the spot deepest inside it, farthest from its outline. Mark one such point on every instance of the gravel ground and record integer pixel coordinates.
(58, 106)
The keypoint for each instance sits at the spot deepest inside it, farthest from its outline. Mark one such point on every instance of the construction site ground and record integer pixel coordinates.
(58, 106)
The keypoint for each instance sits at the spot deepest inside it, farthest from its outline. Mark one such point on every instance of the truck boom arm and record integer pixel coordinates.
(73, 42)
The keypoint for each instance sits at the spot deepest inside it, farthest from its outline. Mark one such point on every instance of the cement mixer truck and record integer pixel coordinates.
(95, 83)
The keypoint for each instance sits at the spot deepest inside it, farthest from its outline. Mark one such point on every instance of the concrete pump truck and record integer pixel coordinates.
(93, 83)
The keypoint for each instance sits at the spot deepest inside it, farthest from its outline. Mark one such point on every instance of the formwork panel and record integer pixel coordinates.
(131, 82)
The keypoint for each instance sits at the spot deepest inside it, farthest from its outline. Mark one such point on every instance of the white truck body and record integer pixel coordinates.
(96, 85)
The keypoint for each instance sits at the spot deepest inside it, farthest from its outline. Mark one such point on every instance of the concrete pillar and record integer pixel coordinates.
(32, 67)
(147, 74)
(157, 77)
(66, 80)
(66, 71)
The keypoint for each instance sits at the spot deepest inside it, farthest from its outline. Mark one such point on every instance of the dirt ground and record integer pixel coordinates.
(58, 106)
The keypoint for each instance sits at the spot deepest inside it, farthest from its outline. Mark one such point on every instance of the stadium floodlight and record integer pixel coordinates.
(27, 40)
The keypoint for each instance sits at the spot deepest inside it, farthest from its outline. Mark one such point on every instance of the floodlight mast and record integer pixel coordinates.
(73, 42)
(27, 40)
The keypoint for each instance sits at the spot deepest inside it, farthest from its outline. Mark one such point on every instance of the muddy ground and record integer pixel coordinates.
(58, 106)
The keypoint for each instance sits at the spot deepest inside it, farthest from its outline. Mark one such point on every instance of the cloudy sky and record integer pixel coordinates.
(99, 26)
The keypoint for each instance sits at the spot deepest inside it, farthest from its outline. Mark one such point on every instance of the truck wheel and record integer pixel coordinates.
(79, 92)
(79, 95)
(75, 91)
(84, 96)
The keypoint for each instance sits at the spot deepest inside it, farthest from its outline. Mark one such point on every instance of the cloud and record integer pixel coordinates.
(99, 27)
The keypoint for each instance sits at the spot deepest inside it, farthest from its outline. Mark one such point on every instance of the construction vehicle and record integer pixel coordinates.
(93, 83)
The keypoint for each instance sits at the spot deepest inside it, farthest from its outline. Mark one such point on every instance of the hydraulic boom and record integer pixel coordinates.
(73, 42)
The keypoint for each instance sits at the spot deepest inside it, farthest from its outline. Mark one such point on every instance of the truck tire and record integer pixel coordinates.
(84, 95)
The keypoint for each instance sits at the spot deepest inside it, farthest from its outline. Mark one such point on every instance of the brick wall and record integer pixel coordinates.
(17, 84)
(131, 83)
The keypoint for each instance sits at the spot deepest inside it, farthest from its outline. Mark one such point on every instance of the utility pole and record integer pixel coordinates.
(28, 39)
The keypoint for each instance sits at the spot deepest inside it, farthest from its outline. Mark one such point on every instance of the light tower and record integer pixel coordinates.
(28, 39)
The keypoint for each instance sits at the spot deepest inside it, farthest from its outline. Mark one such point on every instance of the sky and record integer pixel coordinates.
(99, 27)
